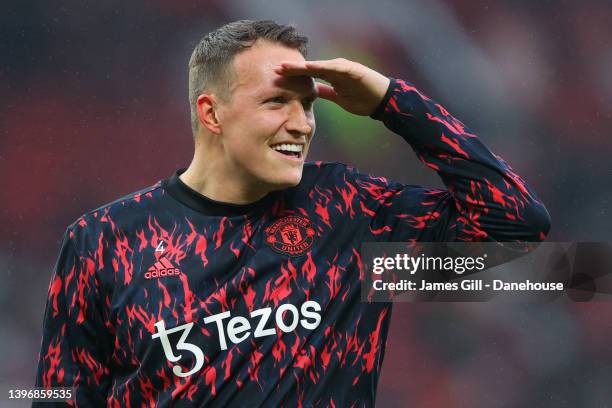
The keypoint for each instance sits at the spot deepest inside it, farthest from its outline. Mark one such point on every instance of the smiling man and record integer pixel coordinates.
(253, 127)
(236, 281)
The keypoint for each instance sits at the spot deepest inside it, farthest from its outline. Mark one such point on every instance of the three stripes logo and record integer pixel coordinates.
(161, 268)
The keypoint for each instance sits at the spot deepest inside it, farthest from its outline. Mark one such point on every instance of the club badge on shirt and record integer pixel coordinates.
(292, 235)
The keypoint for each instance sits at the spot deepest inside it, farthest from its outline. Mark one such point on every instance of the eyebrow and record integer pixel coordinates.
(310, 95)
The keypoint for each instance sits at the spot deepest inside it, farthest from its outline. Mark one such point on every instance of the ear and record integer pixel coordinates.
(206, 106)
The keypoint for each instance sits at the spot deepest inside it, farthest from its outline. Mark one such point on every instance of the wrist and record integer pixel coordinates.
(386, 95)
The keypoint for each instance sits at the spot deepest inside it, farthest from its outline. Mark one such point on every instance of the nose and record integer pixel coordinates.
(299, 121)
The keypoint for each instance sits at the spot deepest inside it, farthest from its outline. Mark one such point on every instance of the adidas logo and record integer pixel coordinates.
(161, 268)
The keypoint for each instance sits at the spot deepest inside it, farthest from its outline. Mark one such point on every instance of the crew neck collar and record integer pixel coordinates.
(196, 201)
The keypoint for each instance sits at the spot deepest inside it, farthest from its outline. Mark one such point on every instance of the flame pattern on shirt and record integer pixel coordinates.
(101, 311)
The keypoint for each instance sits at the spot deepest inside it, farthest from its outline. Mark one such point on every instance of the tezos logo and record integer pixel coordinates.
(238, 330)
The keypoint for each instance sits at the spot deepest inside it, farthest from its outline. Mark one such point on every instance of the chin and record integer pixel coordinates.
(287, 181)
(290, 183)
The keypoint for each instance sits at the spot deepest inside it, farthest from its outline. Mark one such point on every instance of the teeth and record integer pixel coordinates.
(288, 147)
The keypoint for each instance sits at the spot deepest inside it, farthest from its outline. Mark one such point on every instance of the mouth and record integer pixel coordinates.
(292, 151)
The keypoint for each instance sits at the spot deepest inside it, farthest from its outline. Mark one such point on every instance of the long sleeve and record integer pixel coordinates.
(74, 351)
(484, 200)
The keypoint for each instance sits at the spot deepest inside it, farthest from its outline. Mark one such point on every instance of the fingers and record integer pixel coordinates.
(326, 92)
(300, 69)
(324, 69)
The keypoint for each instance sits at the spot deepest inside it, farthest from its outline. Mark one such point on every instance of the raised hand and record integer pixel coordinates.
(353, 86)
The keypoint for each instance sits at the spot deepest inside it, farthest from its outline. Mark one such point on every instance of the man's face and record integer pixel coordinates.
(268, 123)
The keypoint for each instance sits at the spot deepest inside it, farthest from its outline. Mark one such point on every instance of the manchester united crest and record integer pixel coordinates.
(292, 235)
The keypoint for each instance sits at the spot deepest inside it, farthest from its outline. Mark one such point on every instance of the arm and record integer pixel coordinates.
(73, 351)
(485, 199)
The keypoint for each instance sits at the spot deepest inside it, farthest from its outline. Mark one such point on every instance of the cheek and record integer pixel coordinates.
(263, 128)
(270, 120)
(248, 139)
(312, 122)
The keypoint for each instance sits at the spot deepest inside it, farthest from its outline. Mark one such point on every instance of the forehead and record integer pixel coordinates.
(254, 70)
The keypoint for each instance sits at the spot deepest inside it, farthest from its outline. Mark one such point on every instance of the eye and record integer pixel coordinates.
(277, 99)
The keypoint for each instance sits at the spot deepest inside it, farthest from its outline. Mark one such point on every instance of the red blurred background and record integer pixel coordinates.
(94, 106)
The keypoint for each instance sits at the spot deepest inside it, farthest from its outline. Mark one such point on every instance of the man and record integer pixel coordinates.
(236, 282)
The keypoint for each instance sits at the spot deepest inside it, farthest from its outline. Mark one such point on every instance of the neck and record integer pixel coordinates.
(209, 175)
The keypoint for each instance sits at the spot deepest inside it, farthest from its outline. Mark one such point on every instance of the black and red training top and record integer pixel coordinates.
(165, 297)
